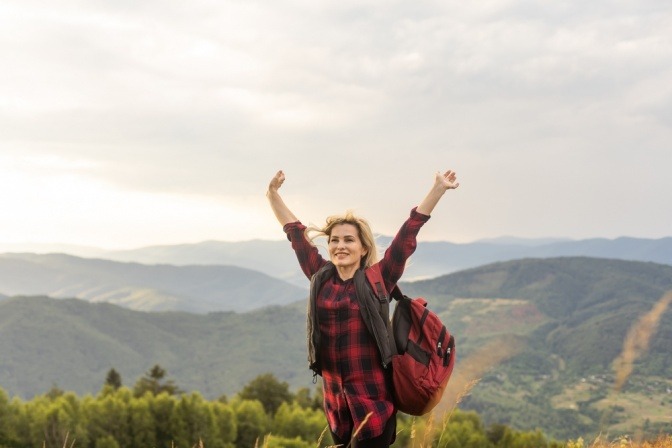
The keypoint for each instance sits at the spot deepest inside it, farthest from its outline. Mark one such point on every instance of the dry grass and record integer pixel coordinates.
(324, 432)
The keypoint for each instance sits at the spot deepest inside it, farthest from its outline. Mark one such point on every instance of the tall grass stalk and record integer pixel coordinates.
(359, 428)
(319, 441)
(429, 428)
(460, 396)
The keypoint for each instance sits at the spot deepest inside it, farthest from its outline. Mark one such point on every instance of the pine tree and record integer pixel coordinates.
(113, 379)
(153, 382)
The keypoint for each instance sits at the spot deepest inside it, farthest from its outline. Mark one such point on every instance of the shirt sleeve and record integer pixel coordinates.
(402, 247)
(309, 257)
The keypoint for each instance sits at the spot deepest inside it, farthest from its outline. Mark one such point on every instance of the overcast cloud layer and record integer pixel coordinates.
(133, 123)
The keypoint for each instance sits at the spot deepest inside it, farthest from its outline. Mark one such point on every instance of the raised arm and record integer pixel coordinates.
(442, 183)
(281, 211)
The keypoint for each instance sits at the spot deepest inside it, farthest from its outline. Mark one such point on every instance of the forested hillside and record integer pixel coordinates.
(563, 322)
(587, 304)
(538, 336)
(72, 343)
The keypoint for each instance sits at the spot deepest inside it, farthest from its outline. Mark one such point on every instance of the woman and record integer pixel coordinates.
(357, 397)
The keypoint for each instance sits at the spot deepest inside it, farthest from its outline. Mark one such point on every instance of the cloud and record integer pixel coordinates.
(541, 108)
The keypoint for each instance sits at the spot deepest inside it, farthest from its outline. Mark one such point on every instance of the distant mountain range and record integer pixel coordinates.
(557, 324)
(241, 276)
(197, 289)
(434, 258)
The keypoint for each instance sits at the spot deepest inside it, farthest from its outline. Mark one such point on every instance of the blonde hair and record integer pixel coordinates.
(363, 230)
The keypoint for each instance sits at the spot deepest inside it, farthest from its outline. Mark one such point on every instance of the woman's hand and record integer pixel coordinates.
(442, 183)
(281, 211)
(447, 180)
(277, 181)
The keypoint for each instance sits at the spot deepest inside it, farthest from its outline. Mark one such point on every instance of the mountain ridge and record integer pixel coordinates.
(157, 287)
(431, 259)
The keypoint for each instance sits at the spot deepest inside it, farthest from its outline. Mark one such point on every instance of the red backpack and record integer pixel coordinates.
(425, 350)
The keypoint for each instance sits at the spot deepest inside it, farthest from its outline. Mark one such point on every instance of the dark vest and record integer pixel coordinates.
(374, 309)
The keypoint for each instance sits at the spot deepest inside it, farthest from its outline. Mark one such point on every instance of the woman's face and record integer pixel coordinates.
(345, 246)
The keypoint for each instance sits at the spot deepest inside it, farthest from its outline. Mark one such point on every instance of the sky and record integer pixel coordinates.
(127, 124)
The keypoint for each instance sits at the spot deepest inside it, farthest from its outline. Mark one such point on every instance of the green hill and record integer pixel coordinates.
(72, 344)
(571, 316)
(587, 304)
(567, 317)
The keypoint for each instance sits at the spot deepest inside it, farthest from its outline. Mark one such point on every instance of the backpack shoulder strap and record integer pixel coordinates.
(375, 278)
(379, 304)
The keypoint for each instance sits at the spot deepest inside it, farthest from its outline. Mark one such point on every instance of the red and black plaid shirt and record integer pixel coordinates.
(354, 381)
